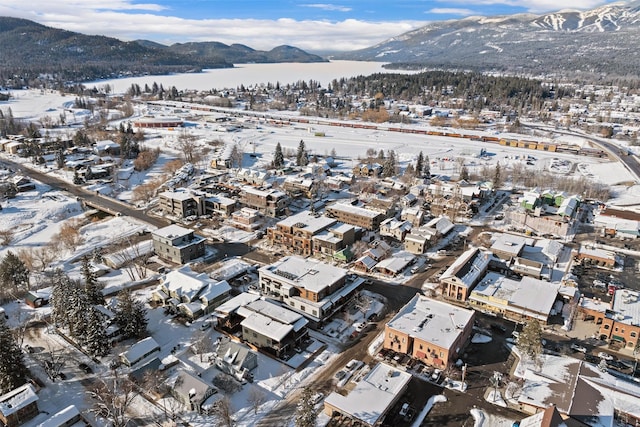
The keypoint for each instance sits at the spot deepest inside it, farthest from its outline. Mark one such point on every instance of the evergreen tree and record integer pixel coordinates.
(389, 165)
(278, 157)
(60, 158)
(77, 311)
(96, 341)
(306, 412)
(302, 159)
(426, 171)
(92, 288)
(13, 372)
(131, 316)
(59, 299)
(409, 171)
(497, 176)
(14, 276)
(420, 163)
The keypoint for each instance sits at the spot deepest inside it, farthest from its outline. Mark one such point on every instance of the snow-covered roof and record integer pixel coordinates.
(307, 273)
(191, 285)
(267, 326)
(17, 399)
(140, 349)
(509, 244)
(367, 261)
(373, 395)
(441, 224)
(529, 296)
(308, 221)
(61, 418)
(180, 194)
(271, 310)
(236, 302)
(432, 321)
(626, 306)
(355, 210)
(468, 267)
(396, 263)
(172, 231)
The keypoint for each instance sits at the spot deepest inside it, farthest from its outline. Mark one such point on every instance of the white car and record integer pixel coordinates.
(605, 356)
(576, 347)
(354, 365)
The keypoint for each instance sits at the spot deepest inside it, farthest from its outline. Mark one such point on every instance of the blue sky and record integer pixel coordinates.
(264, 24)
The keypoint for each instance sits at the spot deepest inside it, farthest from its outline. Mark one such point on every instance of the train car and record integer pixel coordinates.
(492, 139)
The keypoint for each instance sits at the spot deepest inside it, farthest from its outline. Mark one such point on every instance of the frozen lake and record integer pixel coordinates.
(252, 74)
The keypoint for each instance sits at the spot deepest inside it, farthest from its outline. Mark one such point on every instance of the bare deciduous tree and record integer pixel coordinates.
(187, 144)
(6, 237)
(256, 398)
(202, 344)
(223, 413)
(112, 398)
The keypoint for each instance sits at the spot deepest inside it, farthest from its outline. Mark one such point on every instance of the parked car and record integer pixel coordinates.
(86, 368)
(605, 356)
(435, 376)
(404, 409)
(354, 365)
(205, 325)
(317, 398)
(576, 347)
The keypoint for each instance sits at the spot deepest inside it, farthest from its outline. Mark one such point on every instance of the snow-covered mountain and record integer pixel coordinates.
(602, 40)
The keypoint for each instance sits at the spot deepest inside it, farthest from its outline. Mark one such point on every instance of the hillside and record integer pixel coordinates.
(602, 40)
(30, 50)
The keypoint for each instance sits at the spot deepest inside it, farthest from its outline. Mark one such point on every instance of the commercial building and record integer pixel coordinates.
(621, 323)
(372, 398)
(463, 275)
(520, 301)
(177, 244)
(308, 286)
(429, 330)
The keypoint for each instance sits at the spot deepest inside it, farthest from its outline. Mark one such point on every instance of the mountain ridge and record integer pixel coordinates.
(600, 40)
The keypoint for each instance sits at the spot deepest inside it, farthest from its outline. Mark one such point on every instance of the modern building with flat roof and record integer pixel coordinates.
(177, 244)
(295, 233)
(308, 286)
(431, 331)
(518, 300)
(355, 215)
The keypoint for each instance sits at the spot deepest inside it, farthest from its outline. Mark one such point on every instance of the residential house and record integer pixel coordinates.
(36, 299)
(194, 393)
(235, 359)
(295, 232)
(395, 264)
(370, 401)
(393, 228)
(336, 239)
(269, 202)
(193, 294)
(246, 219)
(67, 417)
(462, 276)
(355, 215)
(308, 286)
(18, 406)
(368, 169)
(413, 214)
(177, 244)
(300, 186)
(431, 331)
(145, 349)
(272, 327)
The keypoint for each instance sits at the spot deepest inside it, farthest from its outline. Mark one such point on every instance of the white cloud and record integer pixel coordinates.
(534, 6)
(451, 11)
(104, 17)
(331, 7)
